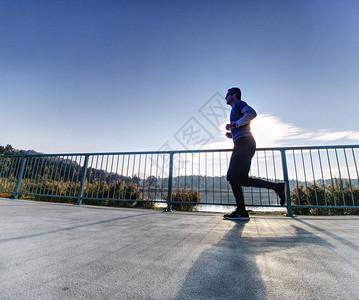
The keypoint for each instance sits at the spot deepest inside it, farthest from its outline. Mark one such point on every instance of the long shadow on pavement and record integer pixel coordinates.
(228, 270)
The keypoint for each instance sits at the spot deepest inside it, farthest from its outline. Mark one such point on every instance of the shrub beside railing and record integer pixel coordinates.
(184, 196)
(328, 199)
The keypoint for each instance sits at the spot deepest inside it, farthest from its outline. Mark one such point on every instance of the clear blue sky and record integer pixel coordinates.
(101, 76)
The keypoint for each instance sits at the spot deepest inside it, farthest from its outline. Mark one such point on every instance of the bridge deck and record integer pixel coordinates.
(60, 251)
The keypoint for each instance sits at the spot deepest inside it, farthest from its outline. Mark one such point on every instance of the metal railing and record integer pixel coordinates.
(317, 177)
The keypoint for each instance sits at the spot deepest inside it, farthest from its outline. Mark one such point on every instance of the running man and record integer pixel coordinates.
(243, 151)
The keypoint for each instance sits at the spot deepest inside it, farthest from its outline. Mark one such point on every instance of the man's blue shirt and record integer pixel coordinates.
(236, 114)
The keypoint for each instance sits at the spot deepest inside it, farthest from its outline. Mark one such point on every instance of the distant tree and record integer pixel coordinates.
(7, 150)
(151, 180)
(136, 179)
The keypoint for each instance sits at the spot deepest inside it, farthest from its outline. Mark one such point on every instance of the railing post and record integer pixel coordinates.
(170, 182)
(19, 178)
(83, 178)
(286, 179)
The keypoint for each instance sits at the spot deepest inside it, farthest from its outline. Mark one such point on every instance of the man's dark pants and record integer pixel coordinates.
(240, 163)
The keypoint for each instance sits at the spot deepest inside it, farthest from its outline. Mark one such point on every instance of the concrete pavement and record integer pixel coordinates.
(61, 251)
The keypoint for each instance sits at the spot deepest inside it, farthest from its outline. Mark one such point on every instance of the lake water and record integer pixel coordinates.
(226, 208)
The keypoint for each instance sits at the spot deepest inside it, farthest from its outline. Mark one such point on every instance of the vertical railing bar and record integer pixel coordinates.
(163, 168)
(286, 179)
(220, 177)
(315, 184)
(104, 177)
(36, 174)
(100, 177)
(192, 177)
(5, 161)
(78, 174)
(121, 175)
(139, 175)
(133, 173)
(95, 180)
(83, 178)
(10, 187)
(144, 179)
(27, 174)
(31, 175)
(2, 167)
(199, 174)
(205, 176)
(213, 188)
(179, 173)
(350, 182)
(331, 177)
(115, 182)
(305, 178)
(227, 184)
(9, 181)
(252, 189)
(25, 177)
(274, 168)
(23, 180)
(14, 167)
(185, 171)
(8, 161)
(321, 169)
(340, 176)
(58, 173)
(123, 181)
(11, 170)
(61, 178)
(50, 172)
(356, 166)
(156, 176)
(89, 167)
(11, 161)
(128, 169)
(46, 176)
(65, 179)
(8, 172)
(42, 175)
(149, 188)
(18, 183)
(266, 169)
(170, 177)
(70, 172)
(258, 173)
(110, 178)
(52, 175)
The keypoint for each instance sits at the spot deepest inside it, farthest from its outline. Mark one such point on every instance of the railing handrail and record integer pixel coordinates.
(184, 151)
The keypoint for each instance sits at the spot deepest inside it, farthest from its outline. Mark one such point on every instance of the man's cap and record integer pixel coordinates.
(235, 90)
